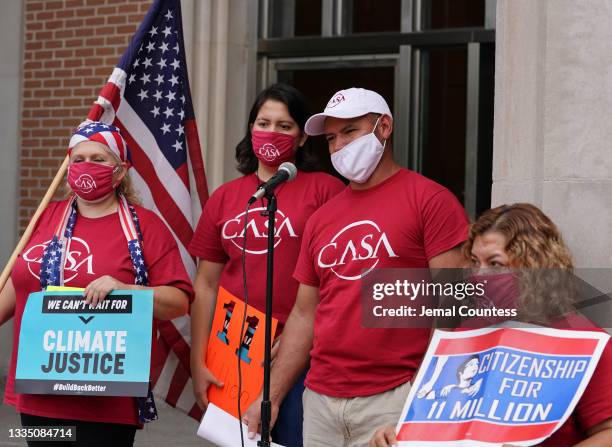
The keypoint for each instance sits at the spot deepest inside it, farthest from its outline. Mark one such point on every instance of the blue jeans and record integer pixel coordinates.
(288, 428)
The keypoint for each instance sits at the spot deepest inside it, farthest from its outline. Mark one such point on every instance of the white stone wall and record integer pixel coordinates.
(221, 38)
(553, 110)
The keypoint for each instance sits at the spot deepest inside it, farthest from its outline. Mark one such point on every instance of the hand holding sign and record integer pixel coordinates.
(252, 417)
(384, 437)
(203, 378)
(99, 288)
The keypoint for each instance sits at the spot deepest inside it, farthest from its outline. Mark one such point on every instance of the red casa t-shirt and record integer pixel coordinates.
(401, 223)
(98, 248)
(219, 235)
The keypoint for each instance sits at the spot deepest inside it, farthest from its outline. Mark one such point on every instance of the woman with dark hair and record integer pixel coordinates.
(275, 134)
(247, 160)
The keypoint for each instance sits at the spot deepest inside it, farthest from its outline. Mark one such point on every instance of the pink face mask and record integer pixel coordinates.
(272, 148)
(91, 181)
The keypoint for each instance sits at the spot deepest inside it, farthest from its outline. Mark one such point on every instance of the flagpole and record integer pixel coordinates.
(30, 228)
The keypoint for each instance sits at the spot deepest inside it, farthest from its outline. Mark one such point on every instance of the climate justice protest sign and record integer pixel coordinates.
(495, 386)
(67, 346)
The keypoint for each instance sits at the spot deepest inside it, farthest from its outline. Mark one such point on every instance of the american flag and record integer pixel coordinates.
(147, 96)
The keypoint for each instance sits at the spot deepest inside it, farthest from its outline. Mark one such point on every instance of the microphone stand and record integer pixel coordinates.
(266, 404)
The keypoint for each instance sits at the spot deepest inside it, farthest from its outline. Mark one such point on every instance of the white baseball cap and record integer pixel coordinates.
(349, 103)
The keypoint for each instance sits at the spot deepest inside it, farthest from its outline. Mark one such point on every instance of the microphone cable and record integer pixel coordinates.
(244, 316)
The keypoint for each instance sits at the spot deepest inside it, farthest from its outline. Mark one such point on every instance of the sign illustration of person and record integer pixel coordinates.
(465, 373)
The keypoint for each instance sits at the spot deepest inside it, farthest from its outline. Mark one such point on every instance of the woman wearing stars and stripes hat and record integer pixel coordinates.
(101, 240)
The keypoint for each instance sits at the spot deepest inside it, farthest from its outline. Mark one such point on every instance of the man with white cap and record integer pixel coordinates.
(388, 217)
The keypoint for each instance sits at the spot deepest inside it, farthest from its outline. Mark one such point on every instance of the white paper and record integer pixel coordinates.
(221, 428)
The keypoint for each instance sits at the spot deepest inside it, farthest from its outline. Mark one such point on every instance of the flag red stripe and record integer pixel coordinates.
(111, 93)
(95, 112)
(120, 146)
(183, 172)
(160, 356)
(176, 341)
(475, 430)
(517, 339)
(177, 385)
(195, 157)
(166, 206)
(196, 412)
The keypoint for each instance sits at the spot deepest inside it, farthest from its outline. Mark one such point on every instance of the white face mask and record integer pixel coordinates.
(357, 160)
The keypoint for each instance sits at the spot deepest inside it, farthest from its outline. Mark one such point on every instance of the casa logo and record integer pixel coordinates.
(78, 259)
(257, 230)
(355, 250)
(337, 99)
(269, 152)
(85, 183)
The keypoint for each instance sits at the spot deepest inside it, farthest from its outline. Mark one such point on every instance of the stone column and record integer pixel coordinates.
(553, 109)
(221, 38)
(11, 36)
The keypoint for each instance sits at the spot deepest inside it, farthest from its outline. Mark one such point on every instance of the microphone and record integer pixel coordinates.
(286, 172)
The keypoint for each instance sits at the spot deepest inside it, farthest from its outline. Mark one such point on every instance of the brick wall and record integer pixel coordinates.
(70, 49)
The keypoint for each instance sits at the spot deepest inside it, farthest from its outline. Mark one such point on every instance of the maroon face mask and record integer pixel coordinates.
(500, 290)
(272, 148)
(91, 181)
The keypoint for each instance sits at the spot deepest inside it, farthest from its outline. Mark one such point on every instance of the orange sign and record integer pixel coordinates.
(226, 346)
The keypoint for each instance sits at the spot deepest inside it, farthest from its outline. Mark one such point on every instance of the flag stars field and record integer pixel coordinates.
(167, 77)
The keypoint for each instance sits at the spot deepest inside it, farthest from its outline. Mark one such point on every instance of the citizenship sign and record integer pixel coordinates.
(69, 347)
(495, 386)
